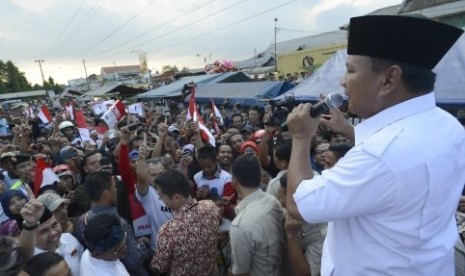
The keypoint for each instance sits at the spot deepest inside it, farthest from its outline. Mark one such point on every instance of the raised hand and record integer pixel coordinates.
(32, 212)
(291, 225)
(337, 122)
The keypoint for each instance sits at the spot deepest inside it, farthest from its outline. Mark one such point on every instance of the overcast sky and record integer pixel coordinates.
(109, 32)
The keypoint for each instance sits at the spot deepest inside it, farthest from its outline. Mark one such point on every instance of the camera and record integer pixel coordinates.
(280, 109)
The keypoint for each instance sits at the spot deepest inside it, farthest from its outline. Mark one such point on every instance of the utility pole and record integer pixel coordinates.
(255, 56)
(40, 61)
(85, 71)
(275, 55)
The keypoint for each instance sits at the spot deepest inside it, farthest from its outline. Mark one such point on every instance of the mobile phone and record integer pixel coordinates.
(134, 126)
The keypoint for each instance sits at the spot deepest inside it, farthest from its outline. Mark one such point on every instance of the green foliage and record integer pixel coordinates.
(170, 69)
(51, 85)
(11, 79)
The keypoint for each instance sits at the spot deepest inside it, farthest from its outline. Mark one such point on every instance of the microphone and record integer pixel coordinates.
(332, 100)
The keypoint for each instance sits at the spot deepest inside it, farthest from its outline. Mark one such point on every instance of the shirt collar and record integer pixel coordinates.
(186, 207)
(249, 199)
(394, 113)
(101, 209)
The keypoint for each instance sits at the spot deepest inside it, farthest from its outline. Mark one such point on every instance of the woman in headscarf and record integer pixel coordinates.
(12, 202)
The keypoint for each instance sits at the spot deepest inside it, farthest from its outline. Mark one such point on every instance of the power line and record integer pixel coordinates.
(252, 43)
(148, 31)
(64, 29)
(118, 28)
(78, 27)
(179, 28)
(224, 27)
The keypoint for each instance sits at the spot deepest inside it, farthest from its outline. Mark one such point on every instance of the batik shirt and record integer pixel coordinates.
(187, 243)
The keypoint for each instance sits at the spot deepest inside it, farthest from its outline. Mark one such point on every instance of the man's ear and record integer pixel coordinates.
(177, 197)
(392, 78)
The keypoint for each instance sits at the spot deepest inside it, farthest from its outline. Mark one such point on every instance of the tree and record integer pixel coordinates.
(169, 69)
(16, 79)
(3, 78)
(11, 79)
(51, 85)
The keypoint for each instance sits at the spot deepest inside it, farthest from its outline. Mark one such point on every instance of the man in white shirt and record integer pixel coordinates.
(50, 238)
(157, 211)
(106, 241)
(390, 202)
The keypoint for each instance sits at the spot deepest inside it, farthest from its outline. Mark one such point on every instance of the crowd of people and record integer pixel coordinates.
(154, 196)
(165, 199)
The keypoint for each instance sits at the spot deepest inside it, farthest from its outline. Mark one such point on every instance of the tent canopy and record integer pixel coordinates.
(174, 89)
(449, 87)
(110, 89)
(244, 93)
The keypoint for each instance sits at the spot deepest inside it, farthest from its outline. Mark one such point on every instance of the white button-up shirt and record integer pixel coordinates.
(391, 200)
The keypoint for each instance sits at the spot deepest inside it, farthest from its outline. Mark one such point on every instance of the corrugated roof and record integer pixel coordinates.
(23, 94)
(413, 5)
(245, 93)
(174, 89)
(121, 69)
(290, 46)
(103, 90)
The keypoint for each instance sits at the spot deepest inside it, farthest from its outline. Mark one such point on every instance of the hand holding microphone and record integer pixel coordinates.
(332, 100)
(298, 119)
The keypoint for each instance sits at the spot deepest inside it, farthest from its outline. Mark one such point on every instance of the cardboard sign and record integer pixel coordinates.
(137, 108)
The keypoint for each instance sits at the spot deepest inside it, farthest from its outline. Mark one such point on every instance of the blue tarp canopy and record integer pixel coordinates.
(449, 87)
(244, 93)
(174, 89)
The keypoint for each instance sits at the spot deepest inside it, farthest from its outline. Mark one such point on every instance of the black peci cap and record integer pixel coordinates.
(414, 39)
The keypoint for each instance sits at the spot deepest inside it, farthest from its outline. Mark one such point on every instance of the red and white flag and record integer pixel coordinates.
(83, 128)
(206, 135)
(192, 107)
(217, 113)
(114, 114)
(44, 115)
(195, 116)
(44, 176)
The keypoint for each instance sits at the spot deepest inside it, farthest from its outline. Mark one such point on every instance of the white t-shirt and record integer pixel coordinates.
(218, 182)
(93, 266)
(157, 212)
(70, 249)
